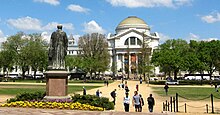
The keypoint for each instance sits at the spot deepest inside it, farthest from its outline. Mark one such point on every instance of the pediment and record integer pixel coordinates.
(118, 36)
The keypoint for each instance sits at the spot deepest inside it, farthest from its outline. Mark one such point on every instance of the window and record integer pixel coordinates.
(139, 42)
(126, 42)
(132, 41)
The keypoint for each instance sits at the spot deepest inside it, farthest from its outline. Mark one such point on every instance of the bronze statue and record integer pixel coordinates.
(58, 49)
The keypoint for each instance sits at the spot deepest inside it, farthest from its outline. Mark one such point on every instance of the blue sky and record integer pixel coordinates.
(186, 19)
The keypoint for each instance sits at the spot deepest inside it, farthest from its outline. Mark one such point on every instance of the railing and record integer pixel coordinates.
(172, 105)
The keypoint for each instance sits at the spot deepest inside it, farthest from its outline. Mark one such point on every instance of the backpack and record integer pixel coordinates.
(112, 94)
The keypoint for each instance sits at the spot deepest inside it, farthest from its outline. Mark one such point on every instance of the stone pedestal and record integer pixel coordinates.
(56, 84)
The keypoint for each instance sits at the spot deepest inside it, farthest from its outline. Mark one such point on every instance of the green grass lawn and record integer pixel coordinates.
(188, 92)
(35, 88)
(69, 81)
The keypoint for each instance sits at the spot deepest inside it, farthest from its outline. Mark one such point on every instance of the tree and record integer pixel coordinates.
(94, 54)
(192, 63)
(209, 53)
(170, 55)
(145, 65)
(34, 53)
(26, 51)
(12, 46)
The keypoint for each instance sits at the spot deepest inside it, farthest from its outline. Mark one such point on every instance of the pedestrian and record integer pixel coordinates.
(126, 102)
(151, 103)
(166, 87)
(100, 94)
(136, 101)
(216, 89)
(84, 91)
(113, 95)
(126, 89)
(97, 93)
(141, 102)
(107, 83)
(141, 80)
(137, 87)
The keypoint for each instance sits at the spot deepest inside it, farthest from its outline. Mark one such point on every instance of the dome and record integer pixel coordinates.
(132, 22)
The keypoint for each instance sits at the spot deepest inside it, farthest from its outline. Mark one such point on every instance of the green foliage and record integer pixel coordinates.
(94, 101)
(28, 96)
(188, 82)
(24, 51)
(188, 92)
(177, 55)
(94, 55)
(158, 82)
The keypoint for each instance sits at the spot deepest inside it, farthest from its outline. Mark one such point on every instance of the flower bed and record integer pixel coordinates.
(52, 105)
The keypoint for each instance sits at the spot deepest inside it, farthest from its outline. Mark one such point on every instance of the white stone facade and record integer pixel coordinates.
(130, 35)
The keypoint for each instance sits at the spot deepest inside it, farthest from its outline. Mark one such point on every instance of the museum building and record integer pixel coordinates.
(132, 35)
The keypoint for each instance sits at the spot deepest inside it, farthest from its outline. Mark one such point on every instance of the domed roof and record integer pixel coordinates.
(132, 22)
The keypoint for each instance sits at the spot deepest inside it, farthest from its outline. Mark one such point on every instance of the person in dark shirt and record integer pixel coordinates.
(151, 103)
(166, 87)
(84, 91)
(113, 95)
(141, 102)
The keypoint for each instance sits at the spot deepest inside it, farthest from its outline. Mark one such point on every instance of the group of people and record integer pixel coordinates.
(106, 83)
(138, 102)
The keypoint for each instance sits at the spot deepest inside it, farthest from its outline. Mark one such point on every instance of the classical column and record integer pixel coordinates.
(116, 62)
(123, 63)
(129, 63)
(136, 63)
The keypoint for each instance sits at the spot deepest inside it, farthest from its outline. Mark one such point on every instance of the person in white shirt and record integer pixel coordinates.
(126, 102)
(100, 94)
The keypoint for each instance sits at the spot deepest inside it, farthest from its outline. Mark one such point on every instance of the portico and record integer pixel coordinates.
(131, 35)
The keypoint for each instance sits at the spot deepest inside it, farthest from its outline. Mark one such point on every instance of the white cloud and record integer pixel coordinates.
(163, 37)
(25, 23)
(193, 36)
(51, 2)
(1, 34)
(76, 38)
(29, 23)
(92, 27)
(2, 37)
(149, 3)
(53, 25)
(46, 36)
(77, 8)
(211, 18)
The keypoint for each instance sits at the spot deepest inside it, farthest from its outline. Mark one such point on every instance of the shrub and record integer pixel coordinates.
(158, 82)
(28, 96)
(52, 105)
(94, 101)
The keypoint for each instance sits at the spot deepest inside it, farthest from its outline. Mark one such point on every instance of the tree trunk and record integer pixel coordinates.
(175, 74)
(35, 74)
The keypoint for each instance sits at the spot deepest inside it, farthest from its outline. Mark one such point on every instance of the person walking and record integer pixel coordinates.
(141, 80)
(100, 94)
(126, 89)
(141, 102)
(84, 91)
(113, 95)
(166, 87)
(126, 102)
(107, 83)
(97, 93)
(137, 87)
(151, 103)
(136, 101)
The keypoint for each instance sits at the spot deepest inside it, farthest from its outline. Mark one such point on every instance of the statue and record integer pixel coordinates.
(58, 49)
